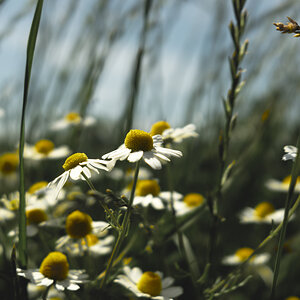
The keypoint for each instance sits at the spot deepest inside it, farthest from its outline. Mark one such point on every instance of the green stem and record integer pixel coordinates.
(45, 294)
(124, 228)
(288, 202)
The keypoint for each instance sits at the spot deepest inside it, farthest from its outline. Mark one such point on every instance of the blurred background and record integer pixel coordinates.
(129, 65)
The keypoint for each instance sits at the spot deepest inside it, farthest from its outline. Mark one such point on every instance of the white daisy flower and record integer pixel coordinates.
(84, 232)
(186, 204)
(176, 135)
(139, 144)
(45, 149)
(262, 213)
(72, 119)
(9, 164)
(54, 270)
(75, 166)
(242, 254)
(149, 285)
(291, 152)
(282, 186)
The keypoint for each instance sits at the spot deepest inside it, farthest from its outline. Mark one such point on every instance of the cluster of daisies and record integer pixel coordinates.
(47, 207)
(54, 205)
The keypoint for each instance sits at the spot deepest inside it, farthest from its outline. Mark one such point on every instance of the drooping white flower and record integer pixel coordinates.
(76, 167)
(149, 285)
(139, 144)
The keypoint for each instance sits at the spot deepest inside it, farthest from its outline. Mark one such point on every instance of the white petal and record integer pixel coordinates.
(166, 282)
(157, 203)
(134, 274)
(152, 161)
(171, 292)
(76, 172)
(135, 156)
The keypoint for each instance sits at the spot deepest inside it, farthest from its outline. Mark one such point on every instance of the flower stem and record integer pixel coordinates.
(124, 228)
(45, 294)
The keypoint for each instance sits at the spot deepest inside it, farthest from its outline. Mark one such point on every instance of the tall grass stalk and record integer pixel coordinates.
(22, 246)
(235, 60)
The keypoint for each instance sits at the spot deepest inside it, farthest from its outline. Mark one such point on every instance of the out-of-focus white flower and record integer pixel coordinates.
(186, 204)
(73, 119)
(54, 270)
(45, 149)
(84, 232)
(9, 163)
(282, 186)
(262, 213)
(75, 166)
(291, 152)
(149, 285)
(176, 135)
(242, 254)
(139, 144)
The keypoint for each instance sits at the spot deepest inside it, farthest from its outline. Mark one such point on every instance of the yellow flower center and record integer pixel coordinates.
(293, 298)
(91, 240)
(146, 187)
(74, 160)
(55, 298)
(55, 266)
(287, 180)
(74, 195)
(159, 127)
(263, 209)
(37, 186)
(44, 147)
(73, 117)
(35, 216)
(8, 163)
(193, 199)
(138, 140)
(127, 260)
(78, 224)
(243, 253)
(12, 204)
(150, 283)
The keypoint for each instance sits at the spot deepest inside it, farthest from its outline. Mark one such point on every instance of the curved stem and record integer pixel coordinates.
(124, 227)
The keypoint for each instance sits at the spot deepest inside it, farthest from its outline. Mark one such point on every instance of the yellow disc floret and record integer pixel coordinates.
(287, 180)
(243, 253)
(292, 298)
(146, 187)
(150, 283)
(74, 160)
(37, 186)
(35, 216)
(193, 199)
(8, 163)
(73, 117)
(159, 127)
(78, 224)
(55, 266)
(91, 240)
(138, 140)
(263, 209)
(44, 147)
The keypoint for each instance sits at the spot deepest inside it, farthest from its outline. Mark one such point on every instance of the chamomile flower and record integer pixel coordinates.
(282, 186)
(84, 232)
(262, 213)
(242, 254)
(175, 135)
(76, 166)
(9, 164)
(292, 298)
(139, 144)
(148, 193)
(54, 270)
(149, 285)
(291, 152)
(72, 119)
(45, 149)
